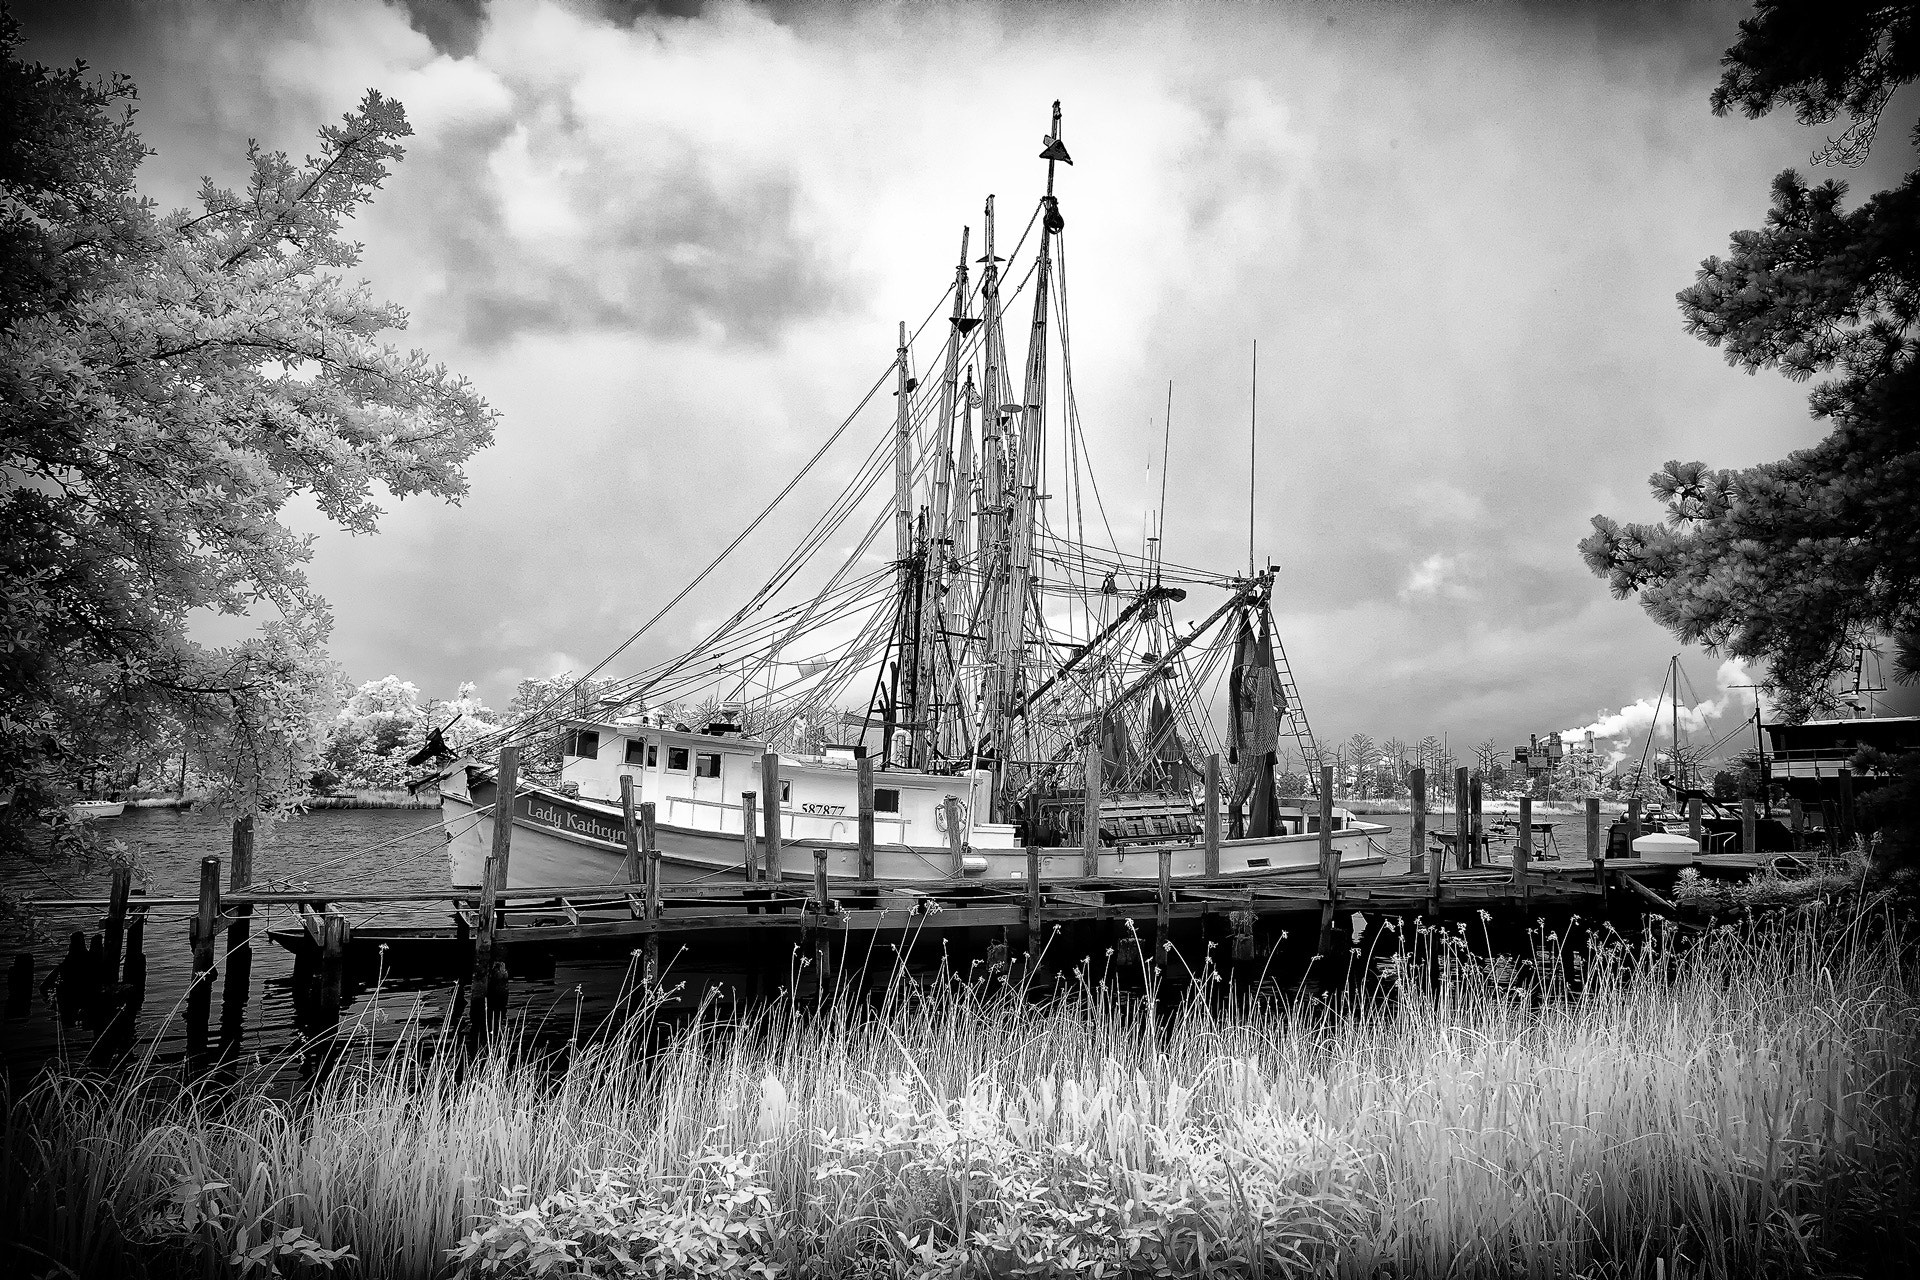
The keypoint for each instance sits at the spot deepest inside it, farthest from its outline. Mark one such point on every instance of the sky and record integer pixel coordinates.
(671, 244)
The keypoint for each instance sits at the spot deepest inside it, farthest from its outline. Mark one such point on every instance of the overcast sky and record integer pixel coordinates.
(670, 244)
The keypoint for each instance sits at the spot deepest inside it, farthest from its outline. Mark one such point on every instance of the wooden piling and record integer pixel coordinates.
(1212, 815)
(1417, 838)
(1090, 814)
(1163, 898)
(233, 996)
(1034, 941)
(133, 970)
(1434, 862)
(864, 778)
(749, 835)
(1329, 864)
(650, 865)
(1596, 846)
(632, 869)
(113, 928)
(1749, 827)
(1797, 821)
(956, 838)
(1523, 846)
(822, 900)
(204, 930)
(770, 813)
(1476, 822)
(335, 933)
(492, 880)
(1694, 832)
(1633, 824)
(1846, 805)
(1463, 850)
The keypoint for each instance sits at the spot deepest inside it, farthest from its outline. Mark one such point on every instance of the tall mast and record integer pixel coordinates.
(906, 670)
(933, 575)
(1012, 638)
(993, 495)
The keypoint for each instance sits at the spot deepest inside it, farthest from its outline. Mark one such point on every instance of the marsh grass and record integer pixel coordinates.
(1745, 1106)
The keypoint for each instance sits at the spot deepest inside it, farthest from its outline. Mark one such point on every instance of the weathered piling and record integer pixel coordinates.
(1417, 838)
(1694, 831)
(1034, 940)
(1329, 864)
(650, 868)
(1633, 824)
(770, 814)
(1163, 901)
(1846, 805)
(335, 933)
(492, 879)
(956, 837)
(113, 928)
(1090, 814)
(1211, 817)
(203, 934)
(1476, 821)
(1749, 827)
(1523, 846)
(631, 867)
(239, 983)
(863, 774)
(1463, 850)
(1596, 846)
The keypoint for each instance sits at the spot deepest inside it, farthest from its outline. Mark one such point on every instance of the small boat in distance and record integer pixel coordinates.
(89, 809)
(1021, 679)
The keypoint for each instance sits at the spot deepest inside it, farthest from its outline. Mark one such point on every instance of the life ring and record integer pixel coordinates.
(940, 814)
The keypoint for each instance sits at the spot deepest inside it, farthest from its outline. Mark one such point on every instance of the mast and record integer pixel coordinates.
(992, 512)
(1011, 639)
(906, 671)
(933, 576)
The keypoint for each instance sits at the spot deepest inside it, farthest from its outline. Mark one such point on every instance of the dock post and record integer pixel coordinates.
(822, 949)
(1033, 899)
(864, 776)
(632, 869)
(749, 835)
(1090, 814)
(1797, 821)
(1329, 864)
(1633, 824)
(234, 995)
(1434, 863)
(650, 865)
(133, 970)
(1463, 850)
(1846, 804)
(1212, 865)
(770, 814)
(1417, 838)
(1163, 902)
(1749, 828)
(1693, 824)
(334, 933)
(205, 925)
(956, 838)
(492, 880)
(1476, 825)
(114, 927)
(1596, 848)
(1523, 846)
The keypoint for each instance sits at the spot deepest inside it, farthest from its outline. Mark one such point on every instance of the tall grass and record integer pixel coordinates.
(1747, 1106)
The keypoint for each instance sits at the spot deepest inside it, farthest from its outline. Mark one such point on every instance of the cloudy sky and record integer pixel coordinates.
(670, 243)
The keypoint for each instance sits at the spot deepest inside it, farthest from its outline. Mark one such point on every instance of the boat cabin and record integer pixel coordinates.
(697, 781)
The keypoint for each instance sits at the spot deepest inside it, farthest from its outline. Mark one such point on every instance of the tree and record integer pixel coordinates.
(1794, 562)
(167, 384)
(1360, 756)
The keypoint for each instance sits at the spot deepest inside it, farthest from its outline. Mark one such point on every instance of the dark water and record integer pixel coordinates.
(352, 849)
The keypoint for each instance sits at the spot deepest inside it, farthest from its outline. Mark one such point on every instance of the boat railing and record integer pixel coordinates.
(823, 824)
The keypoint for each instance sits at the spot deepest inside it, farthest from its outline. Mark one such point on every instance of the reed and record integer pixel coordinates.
(1744, 1106)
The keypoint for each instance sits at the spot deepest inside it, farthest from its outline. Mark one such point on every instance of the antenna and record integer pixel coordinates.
(1253, 450)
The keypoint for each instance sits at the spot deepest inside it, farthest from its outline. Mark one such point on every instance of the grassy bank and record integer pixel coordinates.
(1745, 1108)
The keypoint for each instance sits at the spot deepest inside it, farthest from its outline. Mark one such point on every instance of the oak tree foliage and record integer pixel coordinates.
(169, 381)
(1795, 562)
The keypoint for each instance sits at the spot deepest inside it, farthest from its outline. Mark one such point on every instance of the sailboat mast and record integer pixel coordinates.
(907, 596)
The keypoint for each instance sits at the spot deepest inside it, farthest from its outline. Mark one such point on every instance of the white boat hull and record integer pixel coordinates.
(561, 841)
(99, 808)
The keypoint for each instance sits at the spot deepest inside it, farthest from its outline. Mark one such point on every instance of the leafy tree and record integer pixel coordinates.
(1360, 755)
(167, 384)
(1796, 561)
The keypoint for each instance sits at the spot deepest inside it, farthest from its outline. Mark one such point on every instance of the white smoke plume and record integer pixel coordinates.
(1620, 733)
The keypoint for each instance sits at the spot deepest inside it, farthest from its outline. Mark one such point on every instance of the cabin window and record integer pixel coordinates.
(786, 792)
(653, 755)
(707, 765)
(636, 750)
(677, 759)
(886, 799)
(584, 743)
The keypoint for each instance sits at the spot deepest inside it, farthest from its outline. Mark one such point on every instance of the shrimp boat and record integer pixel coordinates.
(1019, 679)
